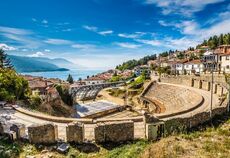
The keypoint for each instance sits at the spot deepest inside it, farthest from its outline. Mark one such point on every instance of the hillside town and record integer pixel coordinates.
(194, 62)
(115, 79)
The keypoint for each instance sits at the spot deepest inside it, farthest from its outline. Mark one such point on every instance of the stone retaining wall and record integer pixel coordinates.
(200, 82)
(43, 133)
(75, 132)
(114, 132)
(193, 121)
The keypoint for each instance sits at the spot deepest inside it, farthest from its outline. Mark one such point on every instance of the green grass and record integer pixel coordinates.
(128, 150)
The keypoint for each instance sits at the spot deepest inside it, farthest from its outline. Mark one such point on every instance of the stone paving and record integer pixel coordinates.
(87, 109)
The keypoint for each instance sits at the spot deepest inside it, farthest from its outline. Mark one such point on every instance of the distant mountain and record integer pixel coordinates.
(60, 62)
(32, 64)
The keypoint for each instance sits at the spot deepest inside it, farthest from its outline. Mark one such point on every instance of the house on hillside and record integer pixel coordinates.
(94, 80)
(211, 61)
(39, 87)
(138, 70)
(225, 62)
(180, 66)
(194, 66)
(223, 49)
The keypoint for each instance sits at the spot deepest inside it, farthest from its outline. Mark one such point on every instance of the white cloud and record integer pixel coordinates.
(6, 47)
(107, 32)
(24, 50)
(150, 42)
(15, 31)
(124, 35)
(83, 46)
(58, 41)
(90, 28)
(47, 50)
(64, 23)
(34, 20)
(127, 45)
(96, 30)
(180, 43)
(182, 7)
(44, 21)
(67, 30)
(37, 54)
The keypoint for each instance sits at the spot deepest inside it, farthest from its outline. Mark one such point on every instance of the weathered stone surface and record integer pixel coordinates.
(114, 132)
(206, 85)
(19, 129)
(75, 132)
(197, 84)
(219, 90)
(154, 130)
(44, 134)
(1, 127)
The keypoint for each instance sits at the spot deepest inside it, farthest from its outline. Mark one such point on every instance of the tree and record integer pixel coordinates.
(12, 86)
(221, 40)
(180, 55)
(4, 60)
(70, 79)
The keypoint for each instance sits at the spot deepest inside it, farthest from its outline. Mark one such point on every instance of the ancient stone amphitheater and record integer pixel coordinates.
(185, 100)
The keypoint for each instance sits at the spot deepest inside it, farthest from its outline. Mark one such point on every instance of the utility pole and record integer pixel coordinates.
(211, 97)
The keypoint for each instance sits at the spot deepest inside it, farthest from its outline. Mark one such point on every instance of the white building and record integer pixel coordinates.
(211, 61)
(94, 80)
(180, 66)
(225, 63)
(194, 66)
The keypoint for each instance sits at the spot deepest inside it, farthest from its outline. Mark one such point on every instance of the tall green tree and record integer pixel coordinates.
(221, 40)
(12, 86)
(4, 60)
(70, 79)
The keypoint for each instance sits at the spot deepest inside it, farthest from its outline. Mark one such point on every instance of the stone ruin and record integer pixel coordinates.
(19, 128)
(114, 132)
(43, 133)
(75, 132)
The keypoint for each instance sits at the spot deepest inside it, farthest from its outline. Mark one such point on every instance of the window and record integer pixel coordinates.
(227, 67)
(227, 57)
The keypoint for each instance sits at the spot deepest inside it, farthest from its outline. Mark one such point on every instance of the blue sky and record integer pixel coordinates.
(104, 33)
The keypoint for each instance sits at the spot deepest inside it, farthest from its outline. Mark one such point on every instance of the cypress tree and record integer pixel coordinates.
(4, 60)
(70, 79)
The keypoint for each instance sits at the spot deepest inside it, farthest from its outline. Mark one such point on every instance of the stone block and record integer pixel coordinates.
(206, 85)
(43, 133)
(19, 128)
(197, 84)
(1, 128)
(219, 90)
(75, 132)
(115, 132)
(154, 131)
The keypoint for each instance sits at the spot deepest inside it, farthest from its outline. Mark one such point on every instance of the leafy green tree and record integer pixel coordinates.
(70, 79)
(4, 60)
(64, 93)
(227, 38)
(133, 63)
(12, 86)
(180, 55)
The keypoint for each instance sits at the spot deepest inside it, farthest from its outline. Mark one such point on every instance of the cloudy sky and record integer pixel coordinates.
(104, 33)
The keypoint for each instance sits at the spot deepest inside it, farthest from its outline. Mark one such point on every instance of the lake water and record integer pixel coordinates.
(64, 74)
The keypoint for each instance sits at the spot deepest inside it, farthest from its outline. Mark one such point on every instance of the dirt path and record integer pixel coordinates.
(105, 96)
